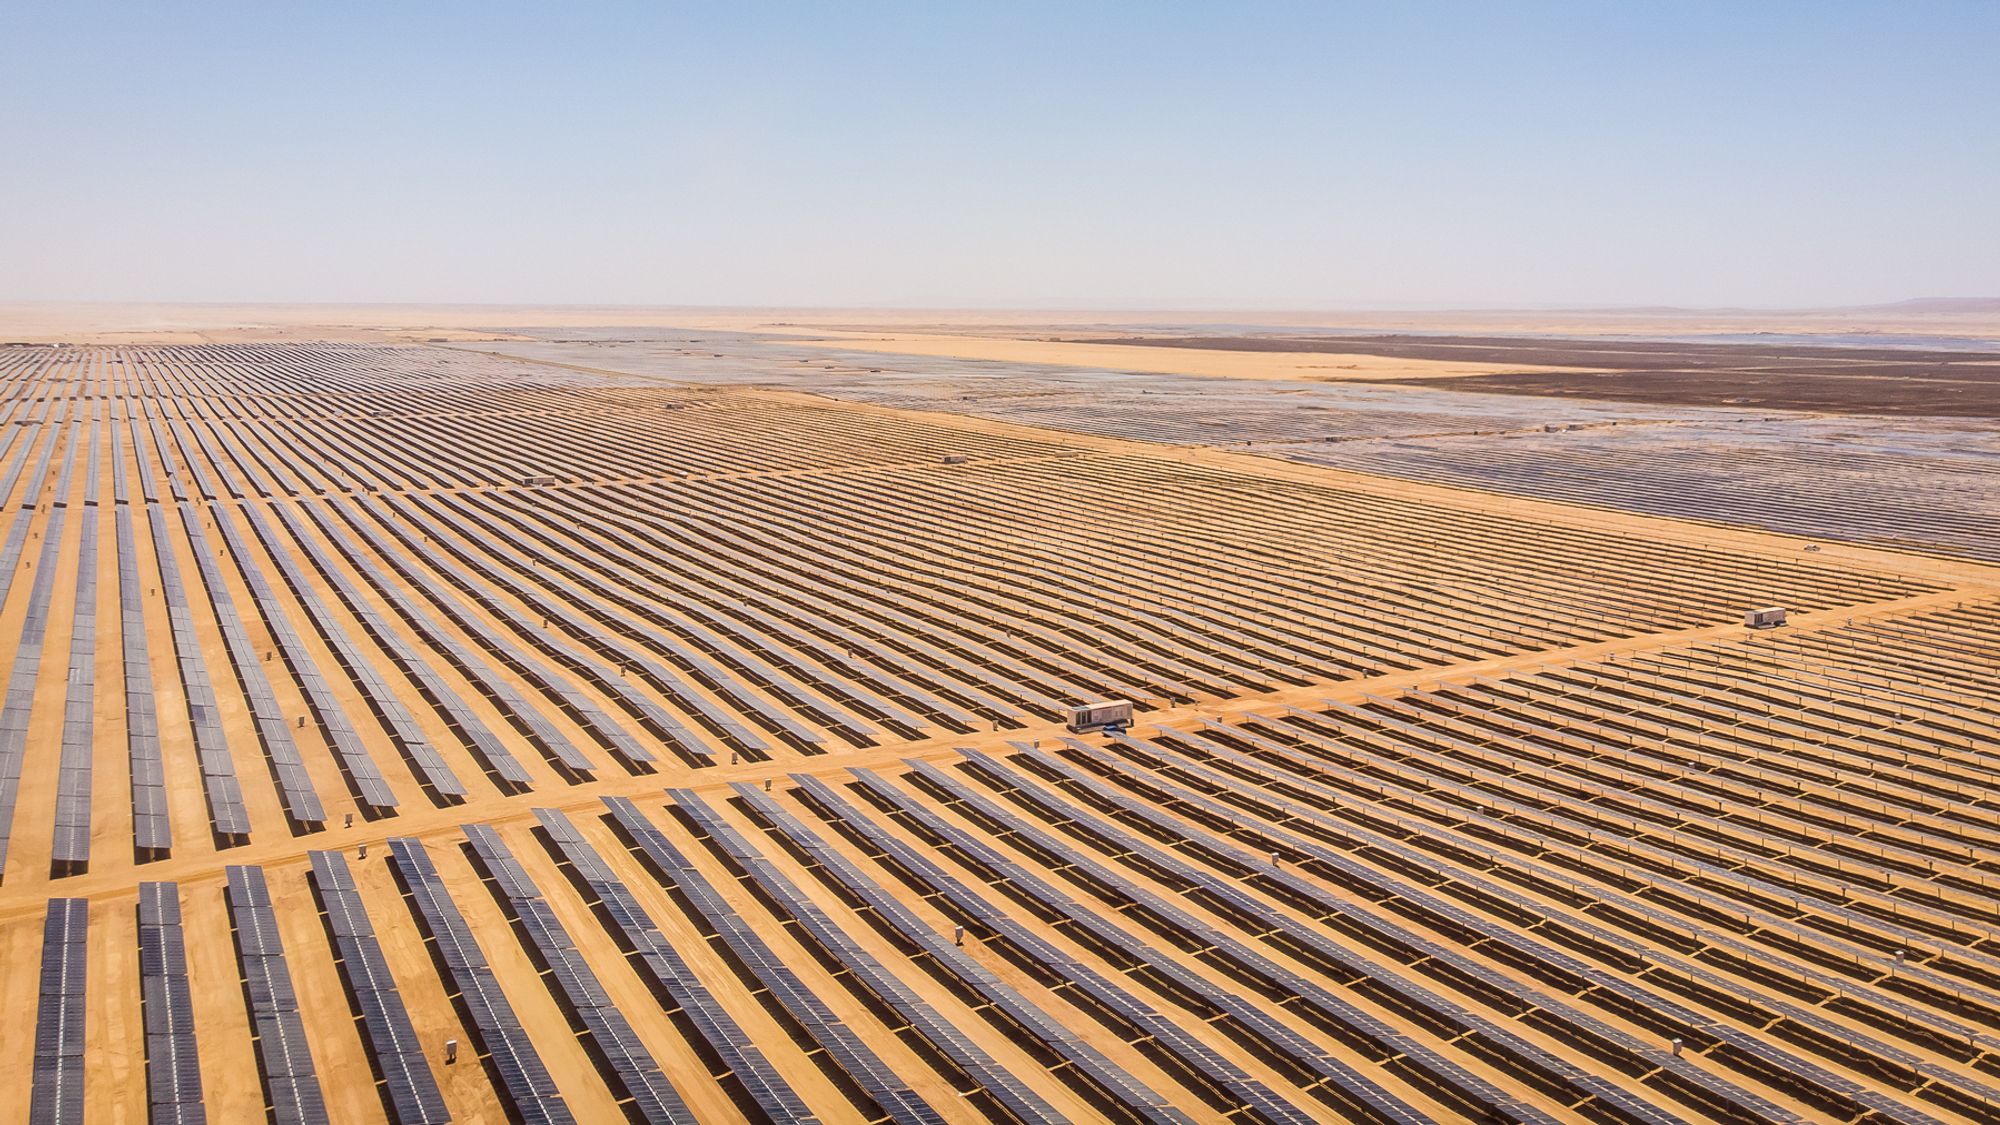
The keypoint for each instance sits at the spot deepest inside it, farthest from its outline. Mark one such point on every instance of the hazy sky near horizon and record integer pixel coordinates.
(1225, 155)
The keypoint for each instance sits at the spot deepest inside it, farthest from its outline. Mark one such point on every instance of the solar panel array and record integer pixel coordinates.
(866, 972)
(1919, 483)
(1347, 1088)
(1893, 483)
(358, 767)
(837, 586)
(725, 779)
(465, 723)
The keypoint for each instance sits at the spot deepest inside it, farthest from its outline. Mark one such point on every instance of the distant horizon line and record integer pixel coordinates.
(1945, 305)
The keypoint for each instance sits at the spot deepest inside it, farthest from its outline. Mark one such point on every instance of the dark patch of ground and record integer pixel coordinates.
(1899, 381)
(1767, 390)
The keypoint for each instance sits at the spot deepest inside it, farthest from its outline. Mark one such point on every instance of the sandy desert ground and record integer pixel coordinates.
(668, 708)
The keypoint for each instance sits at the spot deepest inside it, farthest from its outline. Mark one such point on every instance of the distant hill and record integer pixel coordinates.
(1955, 305)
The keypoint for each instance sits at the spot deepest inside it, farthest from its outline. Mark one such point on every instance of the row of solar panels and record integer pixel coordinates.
(1736, 884)
(606, 677)
(25, 671)
(1922, 1025)
(687, 655)
(1751, 1055)
(801, 615)
(173, 1070)
(604, 661)
(1499, 991)
(583, 606)
(291, 1080)
(441, 449)
(1074, 649)
(359, 768)
(1523, 1003)
(202, 438)
(1349, 1091)
(1158, 664)
(55, 1096)
(470, 729)
(70, 848)
(429, 765)
(151, 832)
(402, 727)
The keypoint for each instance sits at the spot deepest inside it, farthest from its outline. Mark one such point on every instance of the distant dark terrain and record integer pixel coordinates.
(1848, 380)
(1842, 471)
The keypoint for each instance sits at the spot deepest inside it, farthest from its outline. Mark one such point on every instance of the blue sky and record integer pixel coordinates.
(1227, 155)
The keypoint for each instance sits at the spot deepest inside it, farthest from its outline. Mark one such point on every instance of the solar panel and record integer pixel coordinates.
(1015, 1011)
(56, 1090)
(865, 972)
(20, 699)
(291, 1082)
(630, 1066)
(1268, 1033)
(504, 1045)
(295, 787)
(226, 812)
(70, 848)
(1195, 1061)
(393, 1048)
(173, 1073)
